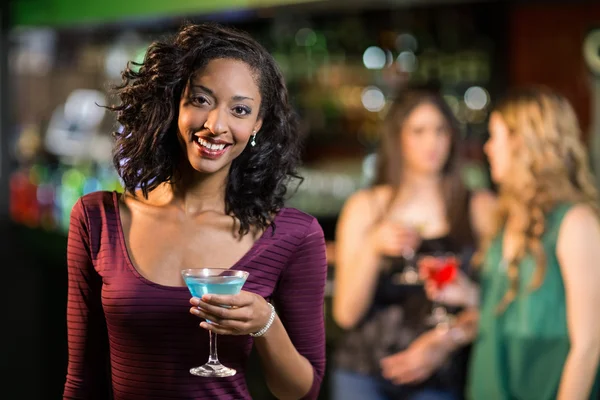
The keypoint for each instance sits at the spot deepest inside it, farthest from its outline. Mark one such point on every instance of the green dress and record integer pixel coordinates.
(520, 353)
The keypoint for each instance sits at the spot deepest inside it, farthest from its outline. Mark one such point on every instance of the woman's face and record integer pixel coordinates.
(498, 148)
(425, 140)
(218, 112)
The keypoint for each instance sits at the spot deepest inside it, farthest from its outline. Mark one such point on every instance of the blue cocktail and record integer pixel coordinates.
(201, 285)
(201, 281)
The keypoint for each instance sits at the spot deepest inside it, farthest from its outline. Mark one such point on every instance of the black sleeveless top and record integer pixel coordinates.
(396, 318)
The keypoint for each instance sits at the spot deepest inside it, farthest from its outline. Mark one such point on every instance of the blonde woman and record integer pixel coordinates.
(539, 331)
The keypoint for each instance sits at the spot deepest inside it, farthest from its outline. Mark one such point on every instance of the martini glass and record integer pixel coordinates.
(201, 281)
(441, 270)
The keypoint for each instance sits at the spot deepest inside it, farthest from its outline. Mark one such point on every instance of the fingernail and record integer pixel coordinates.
(195, 301)
(196, 311)
(206, 297)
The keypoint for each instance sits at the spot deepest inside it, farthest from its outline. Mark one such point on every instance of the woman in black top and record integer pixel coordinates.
(417, 205)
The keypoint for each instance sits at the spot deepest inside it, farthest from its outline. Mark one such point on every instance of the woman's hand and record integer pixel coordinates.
(239, 314)
(461, 292)
(393, 239)
(418, 362)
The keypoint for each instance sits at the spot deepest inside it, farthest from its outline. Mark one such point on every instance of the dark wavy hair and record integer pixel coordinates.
(147, 152)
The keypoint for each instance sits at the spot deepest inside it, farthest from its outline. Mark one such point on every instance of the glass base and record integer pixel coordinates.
(408, 277)
(213, 370)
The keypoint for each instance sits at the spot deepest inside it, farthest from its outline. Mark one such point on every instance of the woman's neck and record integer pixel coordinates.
(417, 183)
(193, 193)
(516, 216)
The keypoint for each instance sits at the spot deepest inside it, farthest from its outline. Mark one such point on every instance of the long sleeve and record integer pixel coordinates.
(87, 373)
(299, 300)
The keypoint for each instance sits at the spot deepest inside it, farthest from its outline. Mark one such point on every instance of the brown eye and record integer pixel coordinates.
(241, 110)
(199, 100)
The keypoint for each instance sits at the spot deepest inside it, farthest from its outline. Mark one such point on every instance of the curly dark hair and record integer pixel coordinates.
(147, 152)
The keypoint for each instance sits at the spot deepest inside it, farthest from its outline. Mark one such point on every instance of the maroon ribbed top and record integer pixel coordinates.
(131, 338)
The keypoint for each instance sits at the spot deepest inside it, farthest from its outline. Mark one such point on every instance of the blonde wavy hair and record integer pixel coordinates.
(549, 166)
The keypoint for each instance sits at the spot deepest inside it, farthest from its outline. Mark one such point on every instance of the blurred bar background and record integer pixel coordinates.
(342, 60)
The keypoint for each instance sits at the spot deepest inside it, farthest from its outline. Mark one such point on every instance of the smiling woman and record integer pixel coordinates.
(207, 149)
(160, 98)
(215, 119)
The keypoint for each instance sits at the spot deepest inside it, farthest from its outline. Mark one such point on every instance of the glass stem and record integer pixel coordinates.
(438, 309)
(440, 315)
(213, 358)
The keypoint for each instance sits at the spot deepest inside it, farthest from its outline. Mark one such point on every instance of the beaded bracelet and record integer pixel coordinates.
(268, 324)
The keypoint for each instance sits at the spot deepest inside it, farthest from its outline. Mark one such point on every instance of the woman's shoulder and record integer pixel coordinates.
(299, 237)
(97, 200)
(374, 197)
(574, 218)
(290, 220)
(378, 193)
(94, 204)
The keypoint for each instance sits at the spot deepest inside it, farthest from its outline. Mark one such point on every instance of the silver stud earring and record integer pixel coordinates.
(253, 142)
